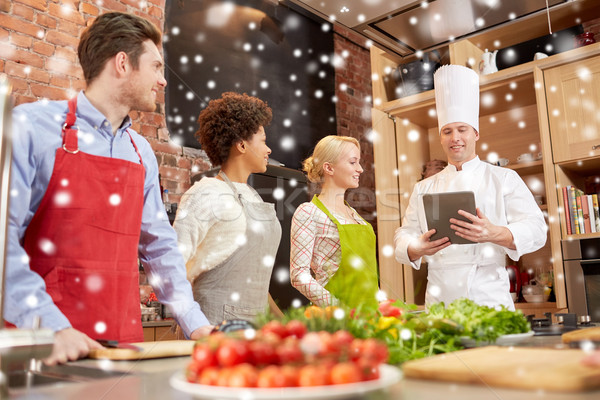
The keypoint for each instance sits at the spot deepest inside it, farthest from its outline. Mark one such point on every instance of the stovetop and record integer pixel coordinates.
(566, 322)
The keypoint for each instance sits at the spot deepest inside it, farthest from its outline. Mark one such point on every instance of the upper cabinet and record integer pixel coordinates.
(573, 98)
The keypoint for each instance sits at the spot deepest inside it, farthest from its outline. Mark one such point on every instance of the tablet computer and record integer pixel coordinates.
(440, 207)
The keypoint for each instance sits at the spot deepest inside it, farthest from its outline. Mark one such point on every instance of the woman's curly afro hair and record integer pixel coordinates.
(228, 120)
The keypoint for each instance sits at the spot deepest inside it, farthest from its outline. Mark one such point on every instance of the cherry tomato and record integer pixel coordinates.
(275, 327)
(343, 339)
(290, 373)
(289, 352)
(296, 328)
(209, 376)
(232, 352)
(271, 377)
(311, 375)
(204, 356)
(262, 353)
(368, 369)
(373, 349)
(223, 377)
(388, 309)
(243, 375)
(192, 371)
(346, 372)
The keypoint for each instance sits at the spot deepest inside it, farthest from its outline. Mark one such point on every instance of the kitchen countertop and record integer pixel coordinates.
(149, 380)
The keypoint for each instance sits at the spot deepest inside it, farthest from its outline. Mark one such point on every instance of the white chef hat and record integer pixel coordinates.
(456, 95)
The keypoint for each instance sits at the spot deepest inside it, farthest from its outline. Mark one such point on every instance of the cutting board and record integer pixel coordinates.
(165, 348)
(592, 334)
(510, 367)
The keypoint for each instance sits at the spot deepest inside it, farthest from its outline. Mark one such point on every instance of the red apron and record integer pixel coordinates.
(83, 239)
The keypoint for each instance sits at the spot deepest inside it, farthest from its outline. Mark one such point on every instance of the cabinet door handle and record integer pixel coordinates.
(596, 147)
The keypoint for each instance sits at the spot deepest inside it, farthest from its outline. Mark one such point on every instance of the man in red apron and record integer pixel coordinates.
(86, 202)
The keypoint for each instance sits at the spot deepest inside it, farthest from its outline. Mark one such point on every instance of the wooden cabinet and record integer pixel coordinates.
(573, 97)
(159, 330)
(515, 118)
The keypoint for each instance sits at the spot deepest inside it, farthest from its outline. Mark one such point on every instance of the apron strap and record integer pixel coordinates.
(238, 196)
(69, 129)
(315, 200)
(135, 147)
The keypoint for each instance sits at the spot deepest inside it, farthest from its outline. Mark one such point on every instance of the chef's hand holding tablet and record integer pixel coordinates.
(481, 230)
(423, 246)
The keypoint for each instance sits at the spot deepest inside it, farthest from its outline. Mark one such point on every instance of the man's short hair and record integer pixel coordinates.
(110, 34)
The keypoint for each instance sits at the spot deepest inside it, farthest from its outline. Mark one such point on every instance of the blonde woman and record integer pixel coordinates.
(332, 257)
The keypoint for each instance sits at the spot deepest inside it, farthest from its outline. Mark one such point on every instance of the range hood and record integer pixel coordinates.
(409, 27)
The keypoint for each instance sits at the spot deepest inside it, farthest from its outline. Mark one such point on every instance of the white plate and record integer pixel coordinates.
(388, 375)
(504, 340)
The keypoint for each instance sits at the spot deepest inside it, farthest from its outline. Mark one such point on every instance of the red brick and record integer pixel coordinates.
(78, 84)
(21, 40)
(19, 85)
(164, 147)
(172, 173)
(90, 9)
(47, 92)
(21, 99)
(184, 163)
(113, 5)
(66, 53)
(70, 28)
(46, 20)
(60, 81)
(15, 69)
(160, 3)
(65, 12)
(10, 52)
(56, 65)
(43, 48)
(23, 11)
(39, 75)
(3, 34)
(62, 39)
(19, 25)
(163, 134)
(148, 131)
(155, 12)
(37, 4)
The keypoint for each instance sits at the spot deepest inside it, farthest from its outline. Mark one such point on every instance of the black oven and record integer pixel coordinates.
(582, 276)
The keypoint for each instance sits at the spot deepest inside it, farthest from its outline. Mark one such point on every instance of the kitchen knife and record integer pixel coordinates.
(116, 345)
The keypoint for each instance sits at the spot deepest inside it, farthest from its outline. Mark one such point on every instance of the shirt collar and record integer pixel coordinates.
(467, 166)
(90, 114)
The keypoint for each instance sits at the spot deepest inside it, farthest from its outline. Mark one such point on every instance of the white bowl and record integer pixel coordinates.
(534, 298)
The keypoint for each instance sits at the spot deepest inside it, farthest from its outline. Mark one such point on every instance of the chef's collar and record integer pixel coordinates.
(90, 114)
(467, 166)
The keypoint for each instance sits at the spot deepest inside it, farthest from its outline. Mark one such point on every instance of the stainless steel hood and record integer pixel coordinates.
(407, 27)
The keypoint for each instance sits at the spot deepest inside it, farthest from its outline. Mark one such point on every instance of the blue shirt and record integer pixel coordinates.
(36, 136)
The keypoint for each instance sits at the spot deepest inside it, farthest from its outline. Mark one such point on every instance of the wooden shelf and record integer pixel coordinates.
(582, 236)
(529, 168)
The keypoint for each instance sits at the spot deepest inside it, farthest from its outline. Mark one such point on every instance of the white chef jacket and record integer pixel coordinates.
(475, 271)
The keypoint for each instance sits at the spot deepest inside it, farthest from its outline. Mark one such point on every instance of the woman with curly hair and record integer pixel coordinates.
(228, 236)
(332, 256)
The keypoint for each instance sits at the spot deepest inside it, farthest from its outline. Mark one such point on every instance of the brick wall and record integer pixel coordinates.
(353, 111)
(38, 44)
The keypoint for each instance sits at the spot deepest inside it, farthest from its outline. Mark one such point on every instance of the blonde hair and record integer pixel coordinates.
(328, 150)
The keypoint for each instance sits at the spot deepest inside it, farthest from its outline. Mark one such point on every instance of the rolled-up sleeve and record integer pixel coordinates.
(525, 219)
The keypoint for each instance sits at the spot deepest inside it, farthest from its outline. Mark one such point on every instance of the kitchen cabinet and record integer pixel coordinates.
(159, 330)
(516, 104)
(573, 97)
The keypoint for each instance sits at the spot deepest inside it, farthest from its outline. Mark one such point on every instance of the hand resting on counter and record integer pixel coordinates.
(70, 345)
(201, 332)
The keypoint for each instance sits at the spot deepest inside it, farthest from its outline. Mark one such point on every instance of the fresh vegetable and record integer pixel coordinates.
(482, 323)
(283, 355)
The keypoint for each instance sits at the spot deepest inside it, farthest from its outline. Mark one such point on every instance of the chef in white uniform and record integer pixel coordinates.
(508, 220)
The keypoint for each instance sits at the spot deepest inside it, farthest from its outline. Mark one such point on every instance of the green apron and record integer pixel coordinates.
(355, 282)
